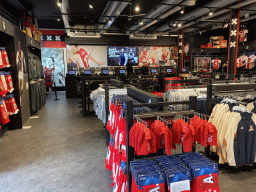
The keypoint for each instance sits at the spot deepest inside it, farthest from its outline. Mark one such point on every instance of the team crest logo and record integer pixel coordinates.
(251, 128)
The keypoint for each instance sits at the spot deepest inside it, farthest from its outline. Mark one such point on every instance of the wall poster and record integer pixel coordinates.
(86, 56)
(155, 55)
(54, 64)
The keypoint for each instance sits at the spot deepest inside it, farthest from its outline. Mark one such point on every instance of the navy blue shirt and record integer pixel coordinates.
(245, 140)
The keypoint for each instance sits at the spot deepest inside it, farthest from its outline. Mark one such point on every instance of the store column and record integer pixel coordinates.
(233, 44)
(180, 53)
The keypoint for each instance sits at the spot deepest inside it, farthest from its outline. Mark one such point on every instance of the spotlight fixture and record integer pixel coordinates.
(59, 3)
(179, 25)
(110, 20)
(182, 10)
(91, 6)
(137, 8)
(58, 19)
(174, 25)
(211, 12)
(141, 23)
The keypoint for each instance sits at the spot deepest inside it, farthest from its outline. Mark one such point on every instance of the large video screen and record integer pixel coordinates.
(118, 56)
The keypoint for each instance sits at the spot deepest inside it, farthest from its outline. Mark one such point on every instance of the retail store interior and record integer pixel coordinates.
(128, 95)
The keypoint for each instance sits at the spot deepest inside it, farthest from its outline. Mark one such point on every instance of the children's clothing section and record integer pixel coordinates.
(182, 173)
(37, 82)
(169, 133)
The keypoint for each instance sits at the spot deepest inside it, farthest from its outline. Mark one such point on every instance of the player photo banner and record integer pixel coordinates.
(119, 56)
(155, 55)
(53, 61)
(86, 56)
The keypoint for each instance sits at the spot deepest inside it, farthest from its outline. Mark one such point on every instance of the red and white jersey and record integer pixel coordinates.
(239, 62)
(216, 63)
(251, 62)
(244, 60)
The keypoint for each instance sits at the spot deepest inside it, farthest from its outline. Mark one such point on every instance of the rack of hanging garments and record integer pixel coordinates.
(236, 143)
(184, 94)
(238, 89)
(178, 127)
(116, 125)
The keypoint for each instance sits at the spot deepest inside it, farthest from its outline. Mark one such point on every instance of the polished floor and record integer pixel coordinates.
(63, 151)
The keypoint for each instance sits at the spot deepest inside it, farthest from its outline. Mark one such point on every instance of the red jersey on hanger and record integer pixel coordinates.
(216, 63)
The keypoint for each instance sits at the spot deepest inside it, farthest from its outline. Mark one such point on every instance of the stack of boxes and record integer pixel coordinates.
(216, 42)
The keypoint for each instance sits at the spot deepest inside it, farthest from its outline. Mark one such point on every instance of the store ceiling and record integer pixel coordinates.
(119, 17)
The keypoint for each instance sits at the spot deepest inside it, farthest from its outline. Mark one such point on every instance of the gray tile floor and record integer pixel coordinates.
(65, 152)
(61, 152)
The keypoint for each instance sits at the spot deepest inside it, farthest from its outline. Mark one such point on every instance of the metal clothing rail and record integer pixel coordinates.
(213, 89)
(129, 123)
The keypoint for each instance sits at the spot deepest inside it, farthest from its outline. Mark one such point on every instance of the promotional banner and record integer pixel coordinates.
(86, 56)
(53, 61)
(118, 56)
(22, 71)
(53, 39)
(154, 55)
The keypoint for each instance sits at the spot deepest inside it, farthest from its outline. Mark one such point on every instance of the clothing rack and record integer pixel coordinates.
(214, 89)
(129, 123)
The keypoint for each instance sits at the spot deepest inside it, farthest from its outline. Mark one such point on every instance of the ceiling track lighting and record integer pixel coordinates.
(141, 23)
(110, 20)
(211, 12)
(137, 8)
(59, 3)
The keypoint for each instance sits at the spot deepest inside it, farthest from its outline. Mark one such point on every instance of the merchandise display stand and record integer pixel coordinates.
(8, 42)
(130, 122)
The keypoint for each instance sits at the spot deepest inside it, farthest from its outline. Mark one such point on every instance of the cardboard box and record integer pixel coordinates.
(40, 33)
(37, 37)
(224, 43)
(29, 33)
(209, 45)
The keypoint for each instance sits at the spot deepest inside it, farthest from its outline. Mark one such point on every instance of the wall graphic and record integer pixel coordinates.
(154, 55)
(53, 61)
(118, 56)
(86, 56)
(22, 72)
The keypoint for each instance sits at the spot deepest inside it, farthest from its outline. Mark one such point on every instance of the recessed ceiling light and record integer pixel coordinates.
(137, 8)
(91, 6)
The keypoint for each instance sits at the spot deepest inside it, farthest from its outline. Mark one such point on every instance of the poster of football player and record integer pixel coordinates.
(53, 61)
(154, 55)
(86, 56)
(119, 56)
